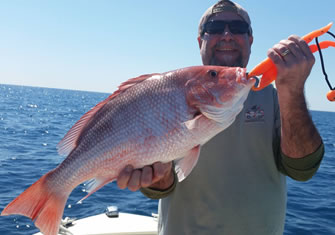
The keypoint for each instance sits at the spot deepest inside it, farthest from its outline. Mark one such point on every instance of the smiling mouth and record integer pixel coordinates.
(226, 49)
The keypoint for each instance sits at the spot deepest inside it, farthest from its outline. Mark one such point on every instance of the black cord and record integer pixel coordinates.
(322, 63)
(331, 34)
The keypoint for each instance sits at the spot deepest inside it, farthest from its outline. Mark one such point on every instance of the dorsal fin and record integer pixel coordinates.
(129, 83)
(69, 141)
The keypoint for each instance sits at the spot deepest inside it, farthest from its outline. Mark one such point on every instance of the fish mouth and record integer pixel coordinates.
(242, 77)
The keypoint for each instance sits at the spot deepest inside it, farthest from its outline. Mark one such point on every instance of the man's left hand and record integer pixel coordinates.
(294, 62)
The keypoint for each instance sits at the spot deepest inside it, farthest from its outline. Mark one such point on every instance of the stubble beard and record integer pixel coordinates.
(238, 62)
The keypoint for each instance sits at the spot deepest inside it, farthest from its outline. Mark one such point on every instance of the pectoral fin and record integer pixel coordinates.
(192, 124)
(185, 165)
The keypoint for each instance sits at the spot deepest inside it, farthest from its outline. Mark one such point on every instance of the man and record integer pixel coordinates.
(239, 185)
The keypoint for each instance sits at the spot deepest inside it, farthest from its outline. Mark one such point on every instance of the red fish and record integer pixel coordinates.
(156, 117)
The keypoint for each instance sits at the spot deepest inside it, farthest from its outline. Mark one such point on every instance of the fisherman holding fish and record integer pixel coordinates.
(247, 146)
(239, 183)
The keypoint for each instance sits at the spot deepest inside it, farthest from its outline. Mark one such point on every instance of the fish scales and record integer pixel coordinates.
(152, 113)
(155, 130)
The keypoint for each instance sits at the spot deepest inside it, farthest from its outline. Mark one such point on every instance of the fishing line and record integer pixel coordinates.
(322, 62)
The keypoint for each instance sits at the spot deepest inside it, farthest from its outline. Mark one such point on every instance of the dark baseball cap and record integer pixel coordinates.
(224, 6)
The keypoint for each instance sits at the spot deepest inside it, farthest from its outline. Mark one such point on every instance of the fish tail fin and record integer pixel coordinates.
(42, 204)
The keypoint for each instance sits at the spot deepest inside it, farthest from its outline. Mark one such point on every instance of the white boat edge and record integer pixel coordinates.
(123, 224)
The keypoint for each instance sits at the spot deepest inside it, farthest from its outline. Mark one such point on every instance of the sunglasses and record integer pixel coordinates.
(218, 27)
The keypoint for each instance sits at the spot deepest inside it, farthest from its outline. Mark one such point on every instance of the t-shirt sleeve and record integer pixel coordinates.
(301, 169)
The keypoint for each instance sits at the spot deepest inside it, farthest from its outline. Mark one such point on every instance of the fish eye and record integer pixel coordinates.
(213, 73)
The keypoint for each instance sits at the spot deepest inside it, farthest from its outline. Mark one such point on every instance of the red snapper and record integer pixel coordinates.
(151, 118)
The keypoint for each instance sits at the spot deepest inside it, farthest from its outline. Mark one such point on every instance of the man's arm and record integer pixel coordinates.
(299, 136)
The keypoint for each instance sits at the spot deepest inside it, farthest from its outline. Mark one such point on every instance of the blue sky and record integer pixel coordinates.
(96, 45)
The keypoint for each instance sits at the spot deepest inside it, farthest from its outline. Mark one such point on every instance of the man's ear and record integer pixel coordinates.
(251, 39)
(199, 41)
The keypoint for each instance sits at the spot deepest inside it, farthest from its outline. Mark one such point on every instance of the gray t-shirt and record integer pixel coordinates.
(236, 188)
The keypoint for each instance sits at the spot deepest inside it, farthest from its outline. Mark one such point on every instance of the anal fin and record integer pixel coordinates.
(94, 185)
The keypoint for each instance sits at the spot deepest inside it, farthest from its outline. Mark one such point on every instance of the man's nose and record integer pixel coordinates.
(226, 34)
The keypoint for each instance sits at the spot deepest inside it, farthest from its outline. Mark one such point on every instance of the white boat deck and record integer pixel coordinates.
(124, 224)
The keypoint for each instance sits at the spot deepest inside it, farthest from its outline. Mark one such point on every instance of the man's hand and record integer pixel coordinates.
(294, 62)
(158, 176)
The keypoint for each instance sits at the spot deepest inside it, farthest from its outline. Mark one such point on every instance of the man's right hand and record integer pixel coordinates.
(157, 176)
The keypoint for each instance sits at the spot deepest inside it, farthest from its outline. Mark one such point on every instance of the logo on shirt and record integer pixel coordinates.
(254, 114)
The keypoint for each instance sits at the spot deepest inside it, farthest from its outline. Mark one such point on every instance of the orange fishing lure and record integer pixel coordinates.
(268, 69)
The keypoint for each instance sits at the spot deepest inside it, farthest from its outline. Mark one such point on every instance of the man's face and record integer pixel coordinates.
(225, 49)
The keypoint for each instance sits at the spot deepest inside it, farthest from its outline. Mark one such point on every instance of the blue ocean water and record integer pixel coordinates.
(33, 120)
